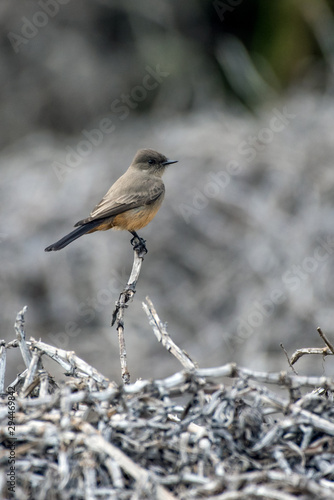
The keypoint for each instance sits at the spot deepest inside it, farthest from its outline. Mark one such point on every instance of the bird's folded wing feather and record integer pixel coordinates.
(114, 203)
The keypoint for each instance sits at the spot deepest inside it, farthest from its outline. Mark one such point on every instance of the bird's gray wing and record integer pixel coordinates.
(118, 201)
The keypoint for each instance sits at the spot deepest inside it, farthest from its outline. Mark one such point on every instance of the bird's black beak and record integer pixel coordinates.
(169, 162)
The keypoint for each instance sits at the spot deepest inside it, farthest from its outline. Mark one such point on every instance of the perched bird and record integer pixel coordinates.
(131, 202)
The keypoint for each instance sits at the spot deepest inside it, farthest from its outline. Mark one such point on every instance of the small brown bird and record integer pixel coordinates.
(130, 204)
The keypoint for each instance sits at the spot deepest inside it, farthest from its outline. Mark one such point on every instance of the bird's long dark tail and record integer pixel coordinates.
(79, 231)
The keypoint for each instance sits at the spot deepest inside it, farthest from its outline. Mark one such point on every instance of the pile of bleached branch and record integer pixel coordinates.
(224, 433)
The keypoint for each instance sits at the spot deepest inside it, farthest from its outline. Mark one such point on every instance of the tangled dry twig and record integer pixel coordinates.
(224, 433)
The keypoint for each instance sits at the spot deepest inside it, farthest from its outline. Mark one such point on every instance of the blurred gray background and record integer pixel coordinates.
(241, 254)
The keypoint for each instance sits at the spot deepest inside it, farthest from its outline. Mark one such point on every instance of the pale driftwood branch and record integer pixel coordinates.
(123, 302)
(97, 443)
(21, 336)
(254, 489)
(160, 331)
(73, 364)
(325, 339)
(323, 351)
(11, 343)
(231, 370)
(19, 379)
(2, 366)
(44, 383)
(288, 359)
(28, 382)
(69, 361)
(142, 440)
(115, 473)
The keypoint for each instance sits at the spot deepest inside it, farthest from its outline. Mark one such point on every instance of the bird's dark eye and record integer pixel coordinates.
(151, 162)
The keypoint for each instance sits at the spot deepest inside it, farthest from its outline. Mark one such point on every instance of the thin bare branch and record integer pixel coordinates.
(288, 359)
(325, 339)
(21, 336)
(123, 302)
(69, 361)
(31, 374)
(161, 334)
(2, 367)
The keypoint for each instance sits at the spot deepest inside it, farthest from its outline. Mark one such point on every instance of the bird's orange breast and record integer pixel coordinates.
(136, 218)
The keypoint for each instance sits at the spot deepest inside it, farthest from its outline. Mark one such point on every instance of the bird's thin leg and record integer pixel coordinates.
(138, 243)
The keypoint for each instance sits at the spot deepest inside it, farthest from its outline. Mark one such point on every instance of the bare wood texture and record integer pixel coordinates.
(160, 331)
(123, 302)
(258, 435)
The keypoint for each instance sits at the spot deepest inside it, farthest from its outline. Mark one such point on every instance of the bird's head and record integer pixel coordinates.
(150, 161)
